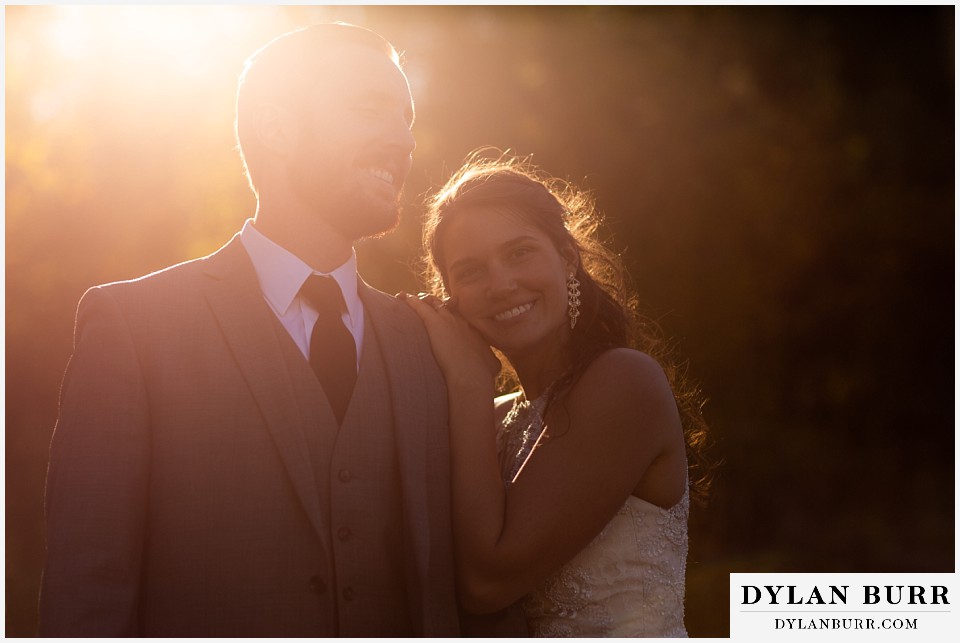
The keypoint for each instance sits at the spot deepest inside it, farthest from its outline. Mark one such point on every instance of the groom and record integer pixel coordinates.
(254, 443)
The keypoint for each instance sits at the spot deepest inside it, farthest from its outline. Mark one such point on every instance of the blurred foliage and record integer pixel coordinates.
(780, 180)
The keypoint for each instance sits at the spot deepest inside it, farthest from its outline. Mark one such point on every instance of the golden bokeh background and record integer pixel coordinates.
(781, 180)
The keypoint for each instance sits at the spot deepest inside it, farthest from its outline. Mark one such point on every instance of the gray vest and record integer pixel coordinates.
(358, 480)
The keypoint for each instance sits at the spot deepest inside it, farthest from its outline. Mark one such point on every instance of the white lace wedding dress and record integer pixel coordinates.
(628, 582)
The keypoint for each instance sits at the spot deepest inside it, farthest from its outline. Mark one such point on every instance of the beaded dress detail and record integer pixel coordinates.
(519, 435)
(628, 582)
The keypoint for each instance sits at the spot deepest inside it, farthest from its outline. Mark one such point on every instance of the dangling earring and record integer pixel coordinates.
(573, 299)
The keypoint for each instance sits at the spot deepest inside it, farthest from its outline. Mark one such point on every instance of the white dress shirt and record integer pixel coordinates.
(281, 274)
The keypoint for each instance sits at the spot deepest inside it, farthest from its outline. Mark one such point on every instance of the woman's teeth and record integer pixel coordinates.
(513, 312)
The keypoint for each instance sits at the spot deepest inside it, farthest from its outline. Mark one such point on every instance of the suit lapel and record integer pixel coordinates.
(247, 324)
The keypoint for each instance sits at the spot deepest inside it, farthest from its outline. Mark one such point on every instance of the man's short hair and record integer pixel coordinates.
(281, 72)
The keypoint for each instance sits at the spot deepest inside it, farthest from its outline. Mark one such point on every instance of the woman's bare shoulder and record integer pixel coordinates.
(622, 370)
(626, 384)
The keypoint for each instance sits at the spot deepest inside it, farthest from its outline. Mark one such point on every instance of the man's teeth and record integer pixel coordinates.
(513, 312)
(380, 173)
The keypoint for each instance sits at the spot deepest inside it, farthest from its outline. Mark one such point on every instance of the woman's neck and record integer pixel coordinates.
(541, 364)
(536, 376)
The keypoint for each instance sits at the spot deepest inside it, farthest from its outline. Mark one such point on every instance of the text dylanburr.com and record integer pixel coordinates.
(844, 607)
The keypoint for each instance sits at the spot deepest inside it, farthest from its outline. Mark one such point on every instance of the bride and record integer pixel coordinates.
(572, 493)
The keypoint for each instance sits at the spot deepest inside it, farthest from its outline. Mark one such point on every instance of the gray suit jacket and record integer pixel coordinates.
(181, 498)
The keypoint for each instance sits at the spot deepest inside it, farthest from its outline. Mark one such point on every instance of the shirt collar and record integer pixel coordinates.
(281, 273)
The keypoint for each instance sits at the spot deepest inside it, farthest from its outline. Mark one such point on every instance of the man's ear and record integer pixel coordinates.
(276, 128)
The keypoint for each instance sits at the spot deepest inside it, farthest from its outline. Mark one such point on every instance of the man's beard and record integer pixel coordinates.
(354, 216)
(353, 213)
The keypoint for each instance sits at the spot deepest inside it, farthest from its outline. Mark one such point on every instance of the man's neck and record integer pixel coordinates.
(305, 234)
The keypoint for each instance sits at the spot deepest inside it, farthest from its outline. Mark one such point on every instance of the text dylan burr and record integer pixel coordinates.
(837, 595)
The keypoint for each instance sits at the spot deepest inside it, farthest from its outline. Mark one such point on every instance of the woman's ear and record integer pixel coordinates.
(571, 258)
(275, 128)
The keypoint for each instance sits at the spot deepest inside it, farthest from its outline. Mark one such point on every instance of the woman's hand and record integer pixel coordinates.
(464, 357)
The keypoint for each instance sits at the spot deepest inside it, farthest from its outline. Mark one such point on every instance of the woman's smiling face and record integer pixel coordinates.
(509, 280)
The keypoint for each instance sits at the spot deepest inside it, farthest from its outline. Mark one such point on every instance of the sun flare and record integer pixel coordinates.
(184, 36)
(150, 59)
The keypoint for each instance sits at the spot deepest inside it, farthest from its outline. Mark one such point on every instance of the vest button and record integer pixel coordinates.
(344, 533)
(344, 475)
(349, 594)
(317, 586)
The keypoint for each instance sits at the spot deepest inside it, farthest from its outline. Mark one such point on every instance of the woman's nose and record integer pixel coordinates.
(502, 282)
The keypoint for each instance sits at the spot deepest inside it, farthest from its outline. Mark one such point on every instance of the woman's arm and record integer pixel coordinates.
(619, 420)
(619, 425)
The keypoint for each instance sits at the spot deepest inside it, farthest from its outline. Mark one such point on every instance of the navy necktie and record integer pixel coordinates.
(333, 351)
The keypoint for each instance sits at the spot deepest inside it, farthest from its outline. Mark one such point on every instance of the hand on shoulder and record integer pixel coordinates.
(464, 357)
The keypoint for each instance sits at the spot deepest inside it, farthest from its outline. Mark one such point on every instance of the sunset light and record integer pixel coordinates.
(187, 39)
(158, 50)
(182, 35)
(778, 180)
(64, 56)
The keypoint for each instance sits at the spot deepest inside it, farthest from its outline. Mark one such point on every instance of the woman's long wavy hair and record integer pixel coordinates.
(609, 315)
